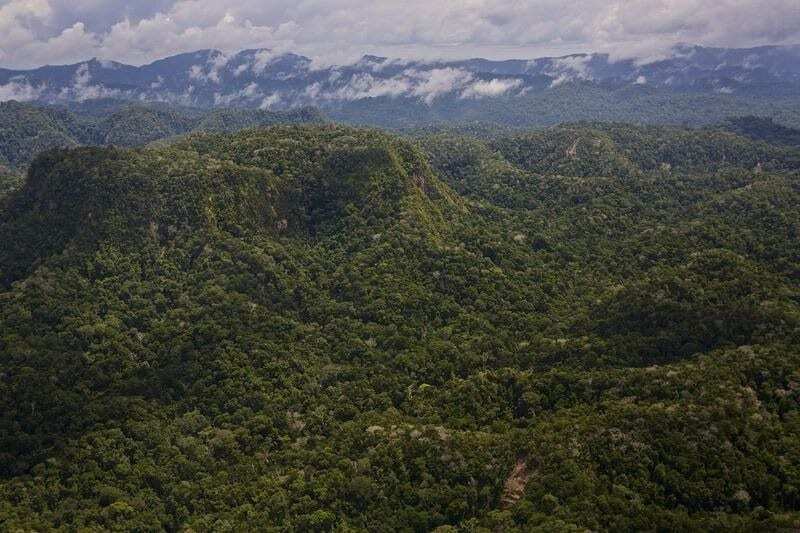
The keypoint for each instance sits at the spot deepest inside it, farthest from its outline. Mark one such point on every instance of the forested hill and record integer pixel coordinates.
(764, 129)
(319, 328)
(28, 129)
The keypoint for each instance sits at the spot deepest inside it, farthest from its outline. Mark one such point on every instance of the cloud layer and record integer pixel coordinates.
(37, 32)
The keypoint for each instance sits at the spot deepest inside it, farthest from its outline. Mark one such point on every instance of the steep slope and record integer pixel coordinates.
(301, 182)
(27, 130)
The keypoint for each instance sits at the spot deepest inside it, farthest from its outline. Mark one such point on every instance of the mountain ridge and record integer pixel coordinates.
(262, 78)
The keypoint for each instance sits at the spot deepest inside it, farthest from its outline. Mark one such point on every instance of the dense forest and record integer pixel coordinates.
(28, 129)
(325, 328)
(764, 129)
(571, 102)
(9, 180)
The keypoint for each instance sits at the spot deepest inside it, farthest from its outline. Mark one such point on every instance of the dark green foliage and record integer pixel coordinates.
(26, 130)
(571, 102)
(231, 120)
(318, 328)
(664, 316)
(619, 150)
(138, 125)
(764, 129)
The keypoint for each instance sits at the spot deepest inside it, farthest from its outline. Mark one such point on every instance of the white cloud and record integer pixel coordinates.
(21, 90)
(424, 84)
(427, 85)
(571, 68)
(17, 21)
(196, 73)
(56, 31)
(249, 92)
(211, 70)
(82, 88)
(437, 82)
(366, 86)
(495, 87)
(262, 59)
(270, 101)
(82, 76)
(216, 63)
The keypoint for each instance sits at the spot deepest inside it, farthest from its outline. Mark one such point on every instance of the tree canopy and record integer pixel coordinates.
(325, 328)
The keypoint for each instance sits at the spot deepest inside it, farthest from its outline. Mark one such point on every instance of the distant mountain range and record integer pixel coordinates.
(694, 85)
(262, 79)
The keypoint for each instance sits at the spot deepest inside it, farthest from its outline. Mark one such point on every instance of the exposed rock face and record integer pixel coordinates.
(515, 484)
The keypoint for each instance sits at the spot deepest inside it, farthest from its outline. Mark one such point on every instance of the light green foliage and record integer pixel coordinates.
(9, 180)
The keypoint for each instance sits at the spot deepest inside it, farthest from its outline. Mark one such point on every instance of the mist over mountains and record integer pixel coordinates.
(267, 80)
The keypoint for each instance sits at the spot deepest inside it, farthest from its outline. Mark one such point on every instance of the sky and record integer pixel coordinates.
(39, 32)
